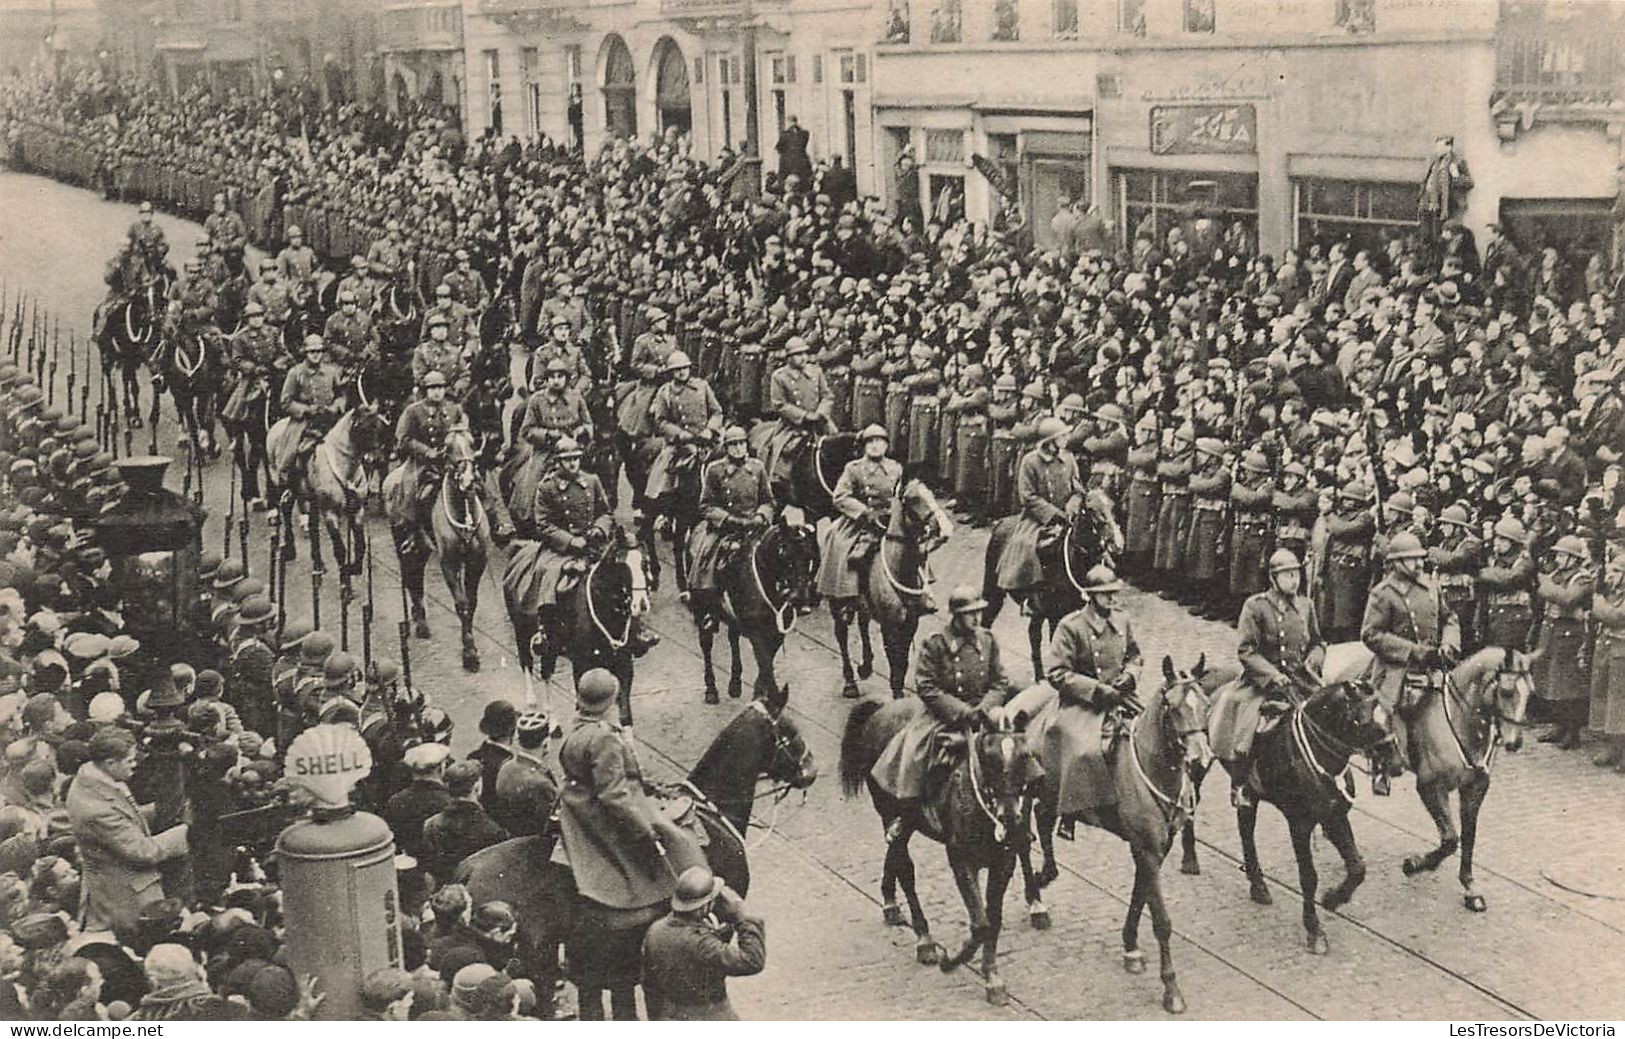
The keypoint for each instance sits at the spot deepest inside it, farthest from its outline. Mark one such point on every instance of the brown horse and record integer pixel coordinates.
(1153, 792)
(334, 481)
(979, 815)
(459, 533)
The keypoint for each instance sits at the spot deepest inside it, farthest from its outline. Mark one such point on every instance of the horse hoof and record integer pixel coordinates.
(892, 915)
(421, 629)
(997, 993)
(1134, 962)
(736, 690)
(866, 669)
(1475, 903)
(1038, 916)
(1318, 945)
(1335, 899)
(1261, 895)
(1172, 1001)
(711, 696)
(927, 952)
(1413, 865)
(850, 691)
(471, 663)
(1190, 867)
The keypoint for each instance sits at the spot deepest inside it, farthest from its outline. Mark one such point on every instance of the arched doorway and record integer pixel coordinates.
(436, 94)
(620, 89)
(671, 87)
(403, 96)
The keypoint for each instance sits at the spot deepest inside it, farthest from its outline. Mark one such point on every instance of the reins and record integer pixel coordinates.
(779, 612)
(597, 622)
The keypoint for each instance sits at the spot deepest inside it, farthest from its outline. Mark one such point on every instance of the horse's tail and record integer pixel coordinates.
(854, 767)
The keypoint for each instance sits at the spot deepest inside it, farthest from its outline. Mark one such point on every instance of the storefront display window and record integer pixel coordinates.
(1153, 202)
(1363, 213)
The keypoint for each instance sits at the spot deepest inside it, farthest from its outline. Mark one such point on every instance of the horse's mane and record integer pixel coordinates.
(1477, 665)
(724, 749)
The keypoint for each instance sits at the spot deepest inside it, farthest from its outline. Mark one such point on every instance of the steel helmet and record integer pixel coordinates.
(1255, 462)
(1005, 383)
(253, 309)
(964, 599)
(1283, 559)
(1570, 545)
(340, 670)
(597, 690)
(1357, 491)
(1511, 528)
(566, 448)
(1101, 578)
(677, 359)
(796, 345)
(1186, 432)
(1072, 400)
(1454, 515)
(558, 366)
(294, 231)
(733, 435)
(1405, 545)
(697, 888)
(1051, 427)
(434, 377)
(1399, 501)
(872, 431)
(559, 319)
(1110, 412)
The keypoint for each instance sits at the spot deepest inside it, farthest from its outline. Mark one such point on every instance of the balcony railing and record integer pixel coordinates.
(1561, 66)
(421, 28)
(705, 8)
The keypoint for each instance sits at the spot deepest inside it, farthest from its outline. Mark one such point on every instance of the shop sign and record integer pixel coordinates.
(1204, 129)
(327, 761)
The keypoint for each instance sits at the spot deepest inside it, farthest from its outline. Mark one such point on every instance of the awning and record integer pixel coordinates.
(989, 103)
(1145, 158)
(1386, 168)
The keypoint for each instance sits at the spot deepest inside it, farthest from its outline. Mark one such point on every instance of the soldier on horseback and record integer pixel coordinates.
(735, 502)
(960, 677)
(686, 414)
(146, 234)
(256, 354)
(387, 256)
(438, 354)
(862, 496)
(421, 434)
(297, 265)
(359, 282)
(1412, 634)
(1049, 493)
(572, 515)
(310, 399)
(1281, 653)
(128, 273)
(460, 320)
(802, 406)
(351, 333)
(554, 412)
(271, 293)
(467, 287)
(1094, 668)
(560, 347)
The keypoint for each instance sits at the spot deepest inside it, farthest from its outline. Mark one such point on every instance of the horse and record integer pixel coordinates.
(458, 533)
(816, 462)
(1301, 767)
(190, 364)
(1151, 774)
(761, 589)
(893, 585)
(1477, 706)
(591, 624)
(129, 334)
(678, 506)
(334, 481)
(247, 415)
(604, 946)
(1086, 541)
(979, 815)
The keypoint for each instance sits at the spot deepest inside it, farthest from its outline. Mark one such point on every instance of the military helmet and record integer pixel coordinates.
(676, 360)
(1284, 559)
(294, 634)
(1570, 545)
(566, 448)
(1050, 427)
(253, 309)
(1356, 490)
(964, 599)
(558, 366)
(256, 609)
(559, 319)
(1512, 528)
(796, 345)
(697, 888)
(1072, 400)
(294, 231)
(597, 690)
(1399, 501)
(872, 431)
(1454, 515)
(434, 377)
(1110, 412)
(230, 572)
(734, 435)
(1405, 545)
(340, 670)
(347, 296)
(1254, 461)
(317, 647)
(1005, 383)
(1101, 578)
(314, 342)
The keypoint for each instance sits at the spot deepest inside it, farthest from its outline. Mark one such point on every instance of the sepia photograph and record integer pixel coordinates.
(812, 510)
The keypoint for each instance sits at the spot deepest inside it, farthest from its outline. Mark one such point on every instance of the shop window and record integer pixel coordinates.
(1576, 227)
(946, 22)
(1199, 16)
(896, 22)
(1006, 20)
(1152, 202)
(945, 146)
(1357, 16)
(1066, 19)
(947, 195)
(818, 69)
(1363, 213)
(1131, 17)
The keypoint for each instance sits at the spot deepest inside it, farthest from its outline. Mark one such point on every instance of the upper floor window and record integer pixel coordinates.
(896, 22)
(854, 67)
(1131, 17)
(784, 69)
(1006, 20)
(1357, 16)
(1199, 16)
(946, 22)
(1066, 19)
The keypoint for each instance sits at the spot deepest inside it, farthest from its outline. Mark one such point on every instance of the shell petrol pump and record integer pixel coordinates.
(340, 901)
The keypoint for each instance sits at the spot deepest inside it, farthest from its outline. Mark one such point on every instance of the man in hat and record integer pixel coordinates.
(249, 665)
(735, 501)
(256, 354)
(1411, 633)
(687, 416)
(1144, 498)
(425, 796)
(801, 404)
(1562, 672)
(1504, 588)
(1345, 567)
(648, 364)
(498, 724)
(300, 693)
(862, 497)
(146, 233)
(560, 347)
(623, 853)
(438, 354)
(461, 324)
(1174, 469)
(227, 232)
(1206, 577)
(1094, 665)
(360, 284)
(1252, 523)
(1445, 184)
(462, 827)
(310, 400)
(119, 855)
(689, 956)
(271, 293)
(297, 264)
(1048, 494)
(1106, 450)
(1457, 558)
(350, 333)
(525, 788)
(1281, 653)
(467, 286)
(960, 676)
(390, 254)
(421, 432)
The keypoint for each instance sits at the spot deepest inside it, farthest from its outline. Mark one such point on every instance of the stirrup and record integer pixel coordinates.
(1381, 786)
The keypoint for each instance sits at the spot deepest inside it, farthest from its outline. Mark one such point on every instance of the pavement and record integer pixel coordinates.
(1405, 948)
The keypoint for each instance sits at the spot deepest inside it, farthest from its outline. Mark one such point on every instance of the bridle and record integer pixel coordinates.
(1001, 833)
(925, 544)
(1306, 733)
(1177, 807)
(784, 614)
(1451, 693)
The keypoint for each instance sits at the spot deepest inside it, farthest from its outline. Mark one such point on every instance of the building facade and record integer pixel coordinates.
(47, 34)
(422, 49)
(1297, 120)
(730, 73)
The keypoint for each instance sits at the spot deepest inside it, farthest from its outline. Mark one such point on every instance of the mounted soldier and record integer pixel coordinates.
(388, 256)
(573, 519)
(735, 501)
(467, 287)
(686, 414)
(409, 490)
(271, 293)
(1411, 633)
(959, 677)
(460, 320)
(1049, 494)
(255, 356)
(436, 353)
(862, 497)
(1094, 669)
(350, 333)
(311, 403)
(298, 266)
(554, 412)
(801, 405)
(560, 346)
(1281, 654)
(225, 228)
(147, 235)
(360, 283)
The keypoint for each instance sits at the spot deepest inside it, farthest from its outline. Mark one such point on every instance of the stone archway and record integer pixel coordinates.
(671, 87)
(620, 88)
(402, 94)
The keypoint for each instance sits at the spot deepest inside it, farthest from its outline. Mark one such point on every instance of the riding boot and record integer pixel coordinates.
(640, 638)
(1241, 793)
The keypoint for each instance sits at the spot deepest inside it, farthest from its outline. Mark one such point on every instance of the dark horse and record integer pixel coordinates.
(763, 584)
(979, 814)
(1152, 794)
(1300, 767)
(678, 506)
(1089, 538)
(815, 464)
(604, 946)
(591, 624)
(191, 365)
(893, 585)
(128, 337)
(457, 532)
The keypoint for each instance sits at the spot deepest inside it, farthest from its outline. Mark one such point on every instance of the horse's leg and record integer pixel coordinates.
(1302, 828)
(1188, 862)
(1035, 640)
(998, 879)
(1341, 833)
(679, 538)
(622, 670)
(841, 612)
(1148, 862)
(590, 1004)
(472, 566)
(1246, 824)
(414, 561)
(900, 864)
(736, 665)
(1044, 815)
(1472, 798)
(1436, 800)
(1133, 957)
(897, 642)
(765, 646)
(971, 894)
(1037, 912)
(132, 395)
(866, 660)
(706, 626)
(623, 1004)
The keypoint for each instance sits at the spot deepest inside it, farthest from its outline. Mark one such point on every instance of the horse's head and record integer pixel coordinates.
(916, 516)
(791, 556)
(1184, 713)
(1351, 714)
(1498, 683)
(623, 545)
(1002, 769)
(792, 761)
(462, 456)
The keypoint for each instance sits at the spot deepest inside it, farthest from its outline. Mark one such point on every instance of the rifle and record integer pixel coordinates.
(404, 629)
(367, 606)
(33, 335)
(316, 570)
(73, 373)
(56, 357)
(231, 511)
(242, 521)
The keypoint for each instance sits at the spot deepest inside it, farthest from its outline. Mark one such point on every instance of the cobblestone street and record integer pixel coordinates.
(1405, 948)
